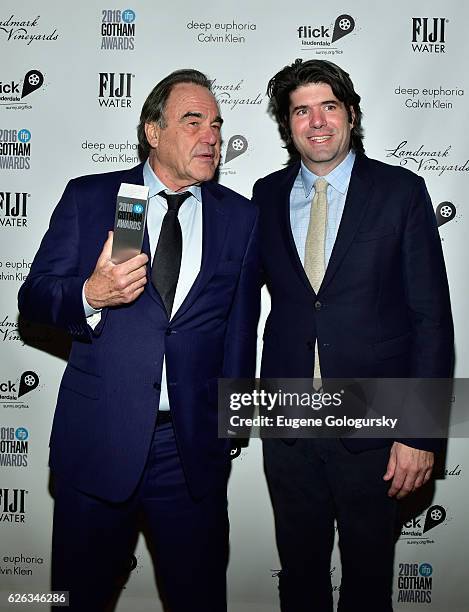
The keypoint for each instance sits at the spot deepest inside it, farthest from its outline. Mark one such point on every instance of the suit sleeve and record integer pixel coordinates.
(52, 292)
(241, 337)
(428, 300)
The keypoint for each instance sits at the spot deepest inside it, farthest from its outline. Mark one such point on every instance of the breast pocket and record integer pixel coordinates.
(375, 234)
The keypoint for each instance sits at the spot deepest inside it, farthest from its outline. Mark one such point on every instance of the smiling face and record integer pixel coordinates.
(320, 127)
(187, 150)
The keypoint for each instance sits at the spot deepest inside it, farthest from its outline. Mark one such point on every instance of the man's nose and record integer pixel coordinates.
(317, 118)
(211, 135)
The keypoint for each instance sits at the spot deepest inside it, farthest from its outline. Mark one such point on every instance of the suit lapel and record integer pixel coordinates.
(358, 197)
(215, 220)
(286, 186)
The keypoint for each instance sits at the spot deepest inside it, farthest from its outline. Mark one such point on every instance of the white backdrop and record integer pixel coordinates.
(73, 79)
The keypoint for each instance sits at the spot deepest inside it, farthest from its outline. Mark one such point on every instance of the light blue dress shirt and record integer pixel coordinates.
(301, 197)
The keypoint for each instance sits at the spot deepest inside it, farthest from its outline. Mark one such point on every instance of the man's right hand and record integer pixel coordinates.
(114, 284)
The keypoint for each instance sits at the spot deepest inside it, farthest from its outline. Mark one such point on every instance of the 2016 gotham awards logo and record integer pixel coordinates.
(15, 149)
(415, 583)
(321, 37)
(118, 29)
(14, 91)
(14, 446)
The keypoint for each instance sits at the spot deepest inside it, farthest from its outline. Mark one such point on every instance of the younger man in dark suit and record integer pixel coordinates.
(353, 262)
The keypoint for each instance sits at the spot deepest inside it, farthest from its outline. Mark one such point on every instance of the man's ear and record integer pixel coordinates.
(152, 132)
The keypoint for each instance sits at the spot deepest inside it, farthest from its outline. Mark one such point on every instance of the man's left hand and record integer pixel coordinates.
(409, 468)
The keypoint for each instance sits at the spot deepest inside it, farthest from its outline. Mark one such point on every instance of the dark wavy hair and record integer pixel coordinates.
(154, 106)
(312, 71)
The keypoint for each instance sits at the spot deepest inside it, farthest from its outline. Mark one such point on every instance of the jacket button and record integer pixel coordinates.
(157, 386)
(169, 331)
(310, 345)
(317, 305)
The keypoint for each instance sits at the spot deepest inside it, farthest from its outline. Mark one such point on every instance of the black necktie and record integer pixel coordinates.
(167, 259)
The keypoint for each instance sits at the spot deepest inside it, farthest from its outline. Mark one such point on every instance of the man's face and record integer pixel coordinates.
(320, 127)
(187, 150)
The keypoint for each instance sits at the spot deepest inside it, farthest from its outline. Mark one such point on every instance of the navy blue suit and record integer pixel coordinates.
(382, 311)
(106, 411)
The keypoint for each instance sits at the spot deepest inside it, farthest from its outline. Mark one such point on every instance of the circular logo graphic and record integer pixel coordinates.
(128, 15)
(137, 208)
(237, 144)
(436, 514)
(345, 24)
(425, 569)
(29, 380)
(21, 433)
(446, 211)
(24, 135)
(34, 79)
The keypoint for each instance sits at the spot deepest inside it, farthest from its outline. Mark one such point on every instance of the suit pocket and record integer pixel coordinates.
(375, 234)
(392, 347)
(81, 382)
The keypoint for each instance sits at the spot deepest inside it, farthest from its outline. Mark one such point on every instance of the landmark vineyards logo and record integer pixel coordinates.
(16, 29)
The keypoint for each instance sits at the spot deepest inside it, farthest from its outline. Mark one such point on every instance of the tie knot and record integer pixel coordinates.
(320, 185)
(175, 200)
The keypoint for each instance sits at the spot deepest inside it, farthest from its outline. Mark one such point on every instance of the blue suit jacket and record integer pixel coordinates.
(108, 398)
(383, 309)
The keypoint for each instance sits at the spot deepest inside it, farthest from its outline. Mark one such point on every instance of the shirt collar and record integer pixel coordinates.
(155, 185)
(339, 178)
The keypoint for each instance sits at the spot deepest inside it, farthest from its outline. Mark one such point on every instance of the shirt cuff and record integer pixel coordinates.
(89, 310)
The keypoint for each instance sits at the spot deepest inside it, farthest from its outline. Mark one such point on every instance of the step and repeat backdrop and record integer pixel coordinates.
(73, 78)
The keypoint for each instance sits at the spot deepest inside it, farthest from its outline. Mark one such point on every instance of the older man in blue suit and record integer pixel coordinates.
(353, 262)
(135, 428)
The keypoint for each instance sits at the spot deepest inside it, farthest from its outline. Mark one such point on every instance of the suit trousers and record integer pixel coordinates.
(312, 483)
(93, 540)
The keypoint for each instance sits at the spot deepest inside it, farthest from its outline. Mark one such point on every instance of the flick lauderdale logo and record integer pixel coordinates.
(320, 36)
(14, 91)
